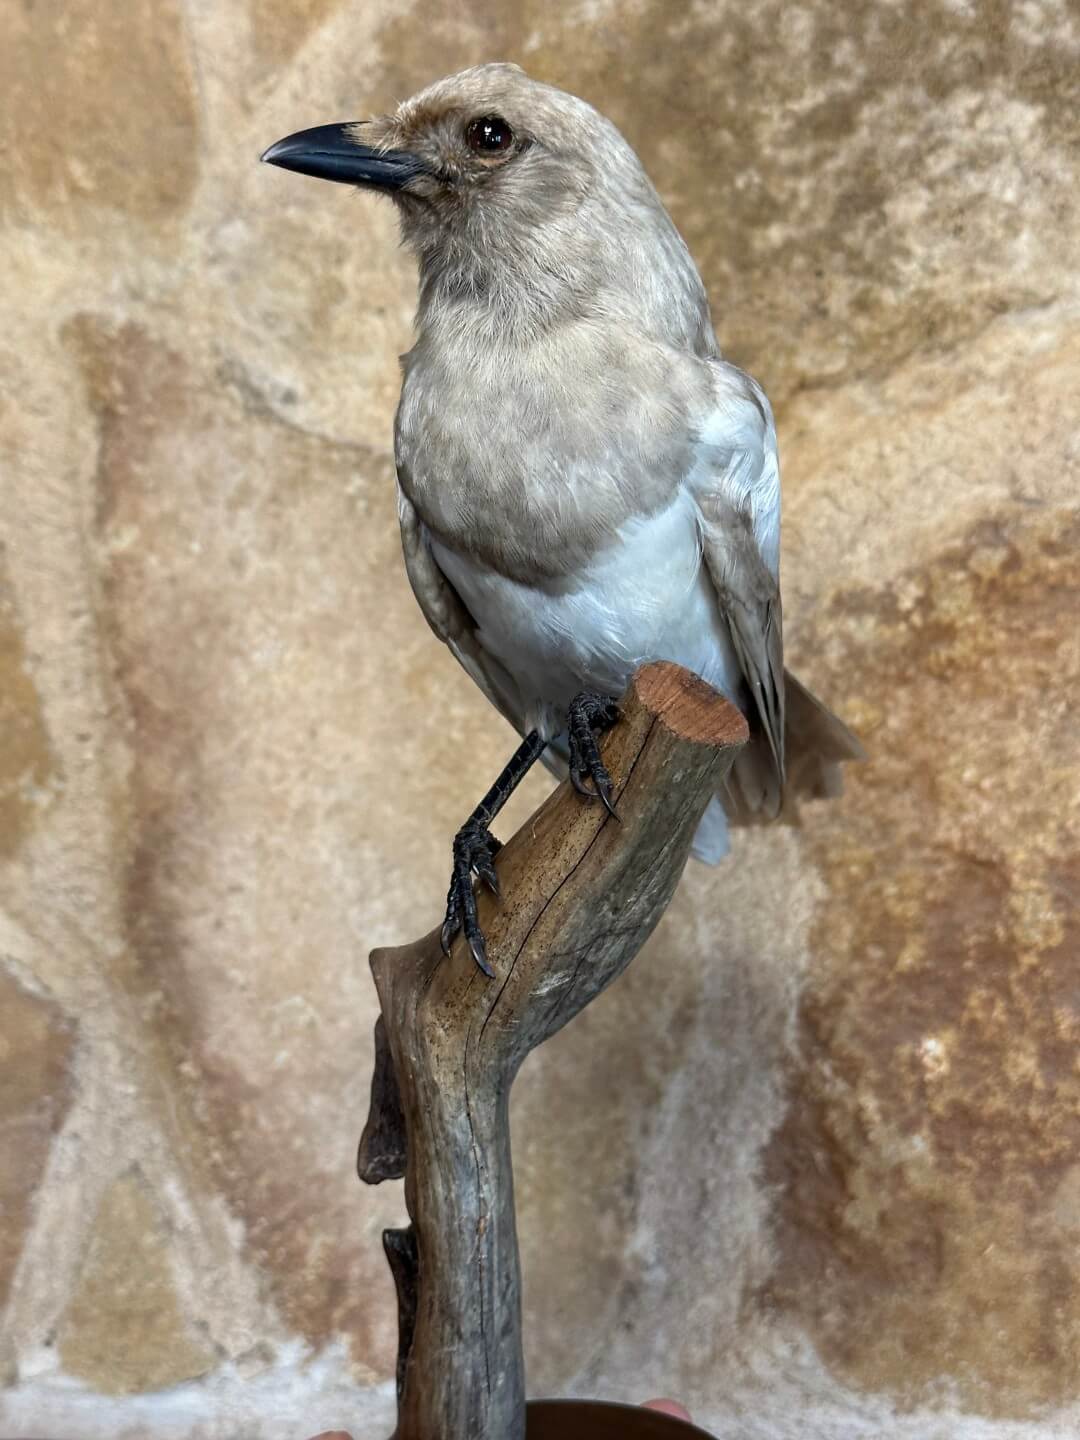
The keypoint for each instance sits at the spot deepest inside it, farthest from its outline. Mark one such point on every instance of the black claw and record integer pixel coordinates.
(452, 920)
(479, 953)
(590, 715)
(486, 872)
(604, 791)
(475, 849)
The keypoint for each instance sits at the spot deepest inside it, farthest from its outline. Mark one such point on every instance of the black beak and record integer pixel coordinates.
(330, 152)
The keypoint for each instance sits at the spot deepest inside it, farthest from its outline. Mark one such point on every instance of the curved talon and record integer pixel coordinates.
(590, 715)
(605, 793)
(478, 949)
(578, 782)
(485, 871)
(475, 849)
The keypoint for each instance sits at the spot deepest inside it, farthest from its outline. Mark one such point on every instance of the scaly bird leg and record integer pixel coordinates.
(590, 715)
(475, 847)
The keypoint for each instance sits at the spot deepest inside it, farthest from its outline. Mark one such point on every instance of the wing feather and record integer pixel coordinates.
(450, 619)
(736, 484)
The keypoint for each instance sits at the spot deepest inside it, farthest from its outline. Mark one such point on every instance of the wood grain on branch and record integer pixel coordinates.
(581, 894)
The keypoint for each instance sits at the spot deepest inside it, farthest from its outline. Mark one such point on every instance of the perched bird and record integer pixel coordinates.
(584, 483)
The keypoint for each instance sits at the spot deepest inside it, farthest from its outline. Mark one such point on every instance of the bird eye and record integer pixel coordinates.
(489, 135)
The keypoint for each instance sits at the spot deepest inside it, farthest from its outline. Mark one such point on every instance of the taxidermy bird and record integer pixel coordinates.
(584, 483)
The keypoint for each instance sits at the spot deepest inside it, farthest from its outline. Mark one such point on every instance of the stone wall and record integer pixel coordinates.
(814, 1163)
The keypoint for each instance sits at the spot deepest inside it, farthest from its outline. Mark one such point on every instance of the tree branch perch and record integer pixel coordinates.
(582, 894)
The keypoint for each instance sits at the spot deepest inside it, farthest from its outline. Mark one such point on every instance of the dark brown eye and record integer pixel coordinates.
(489, 135)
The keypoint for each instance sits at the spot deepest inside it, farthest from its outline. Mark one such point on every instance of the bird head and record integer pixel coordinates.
(488, 142)
(508, 190)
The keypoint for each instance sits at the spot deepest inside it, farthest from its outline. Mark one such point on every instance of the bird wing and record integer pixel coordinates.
(446, 613)
(735, 481)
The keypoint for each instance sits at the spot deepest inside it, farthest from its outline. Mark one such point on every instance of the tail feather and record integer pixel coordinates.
(817, 742)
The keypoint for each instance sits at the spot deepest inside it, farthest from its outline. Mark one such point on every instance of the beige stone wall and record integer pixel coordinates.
(814, 1163)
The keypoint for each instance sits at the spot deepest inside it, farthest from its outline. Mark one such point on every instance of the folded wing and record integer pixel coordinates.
(449, 618)
(795, 743)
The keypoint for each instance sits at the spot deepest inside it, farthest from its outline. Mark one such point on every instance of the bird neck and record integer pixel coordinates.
(496, 300)
(519, 291)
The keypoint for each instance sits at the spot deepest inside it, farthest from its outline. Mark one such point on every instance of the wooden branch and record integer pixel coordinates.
(382, 1145)
(581, 894)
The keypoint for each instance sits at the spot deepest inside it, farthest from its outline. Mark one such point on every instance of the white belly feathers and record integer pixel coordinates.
(645, 597)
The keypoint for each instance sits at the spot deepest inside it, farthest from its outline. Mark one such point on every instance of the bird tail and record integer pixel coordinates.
(816, 743)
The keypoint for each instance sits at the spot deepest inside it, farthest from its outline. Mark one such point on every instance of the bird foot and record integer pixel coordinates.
(590, 715)
(475, 849)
